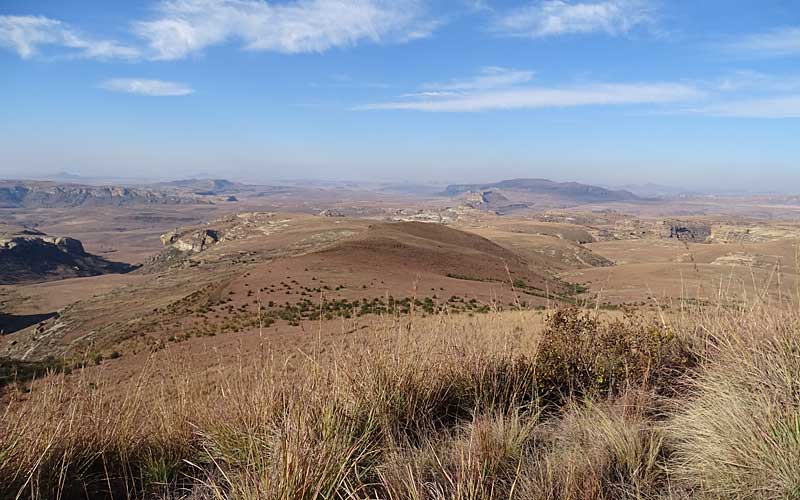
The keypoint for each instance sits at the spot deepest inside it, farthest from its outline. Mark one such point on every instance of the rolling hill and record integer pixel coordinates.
(281, 270)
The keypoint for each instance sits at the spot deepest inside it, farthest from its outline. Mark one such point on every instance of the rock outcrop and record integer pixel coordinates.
(484, 200)
(30, 256)
(183, 246)
(695, 232)
(192, 241)
(331, 212)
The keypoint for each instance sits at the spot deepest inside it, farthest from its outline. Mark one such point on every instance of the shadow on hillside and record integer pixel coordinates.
(10, 323)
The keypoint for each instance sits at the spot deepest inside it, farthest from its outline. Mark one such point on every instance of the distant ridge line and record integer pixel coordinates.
(574, 190)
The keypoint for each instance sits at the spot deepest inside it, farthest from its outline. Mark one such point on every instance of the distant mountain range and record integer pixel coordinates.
(203, 186)
(42, 194)
(651, 190)
(572, 191)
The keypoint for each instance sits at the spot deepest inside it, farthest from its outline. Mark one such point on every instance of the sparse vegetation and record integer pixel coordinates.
(585, 408)
(199, 307)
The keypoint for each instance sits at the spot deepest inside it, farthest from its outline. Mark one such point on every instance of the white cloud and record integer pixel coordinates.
(182, 27)
(423, 29)
(490, 77)
(559, 97)
(561, 17)
(744, 80)
(775, 43)
(28, 34)
(430, 93)
(477, 5)
(772, 107)
(146, 87)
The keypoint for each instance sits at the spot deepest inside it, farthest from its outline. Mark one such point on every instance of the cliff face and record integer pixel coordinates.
(30, 256)
(25, 194)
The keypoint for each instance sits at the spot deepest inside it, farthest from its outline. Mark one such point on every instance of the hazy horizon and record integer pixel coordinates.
(697, 96)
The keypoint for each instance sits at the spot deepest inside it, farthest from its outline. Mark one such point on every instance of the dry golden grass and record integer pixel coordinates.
(607, 449)
(496, 407)
(737, 434)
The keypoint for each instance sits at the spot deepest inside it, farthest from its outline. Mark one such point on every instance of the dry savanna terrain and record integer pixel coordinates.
(520, 339)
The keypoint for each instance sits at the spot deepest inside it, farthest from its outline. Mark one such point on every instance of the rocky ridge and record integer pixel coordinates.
(35, 194)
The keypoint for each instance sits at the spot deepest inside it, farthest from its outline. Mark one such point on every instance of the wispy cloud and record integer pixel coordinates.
(561, 17)
(772, 107)
(498, 88)
(750, 94)
(490, 77)
(28, 34)
(429, 94)
(779, 42)
(179, 28)
(542, 97)
(748, 80)
(183, 27)
(146, 87)
(346, 81)
(477, 5)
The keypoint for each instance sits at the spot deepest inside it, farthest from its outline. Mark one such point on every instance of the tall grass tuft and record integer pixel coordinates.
(605, 449)
(480, 460)
(737, 435)
(72, 441)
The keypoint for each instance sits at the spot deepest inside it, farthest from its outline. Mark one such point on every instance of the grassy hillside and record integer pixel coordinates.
(702, 405)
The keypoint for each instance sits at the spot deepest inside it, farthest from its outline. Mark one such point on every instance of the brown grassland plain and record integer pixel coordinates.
(694, 396)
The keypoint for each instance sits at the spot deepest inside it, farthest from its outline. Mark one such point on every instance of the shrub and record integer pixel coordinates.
(582, 356)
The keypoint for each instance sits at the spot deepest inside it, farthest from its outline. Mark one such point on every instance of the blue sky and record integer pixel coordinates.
(608, 91)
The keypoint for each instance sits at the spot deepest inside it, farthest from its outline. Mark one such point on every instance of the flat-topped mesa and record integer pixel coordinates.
(567, 191)
(40, 194)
